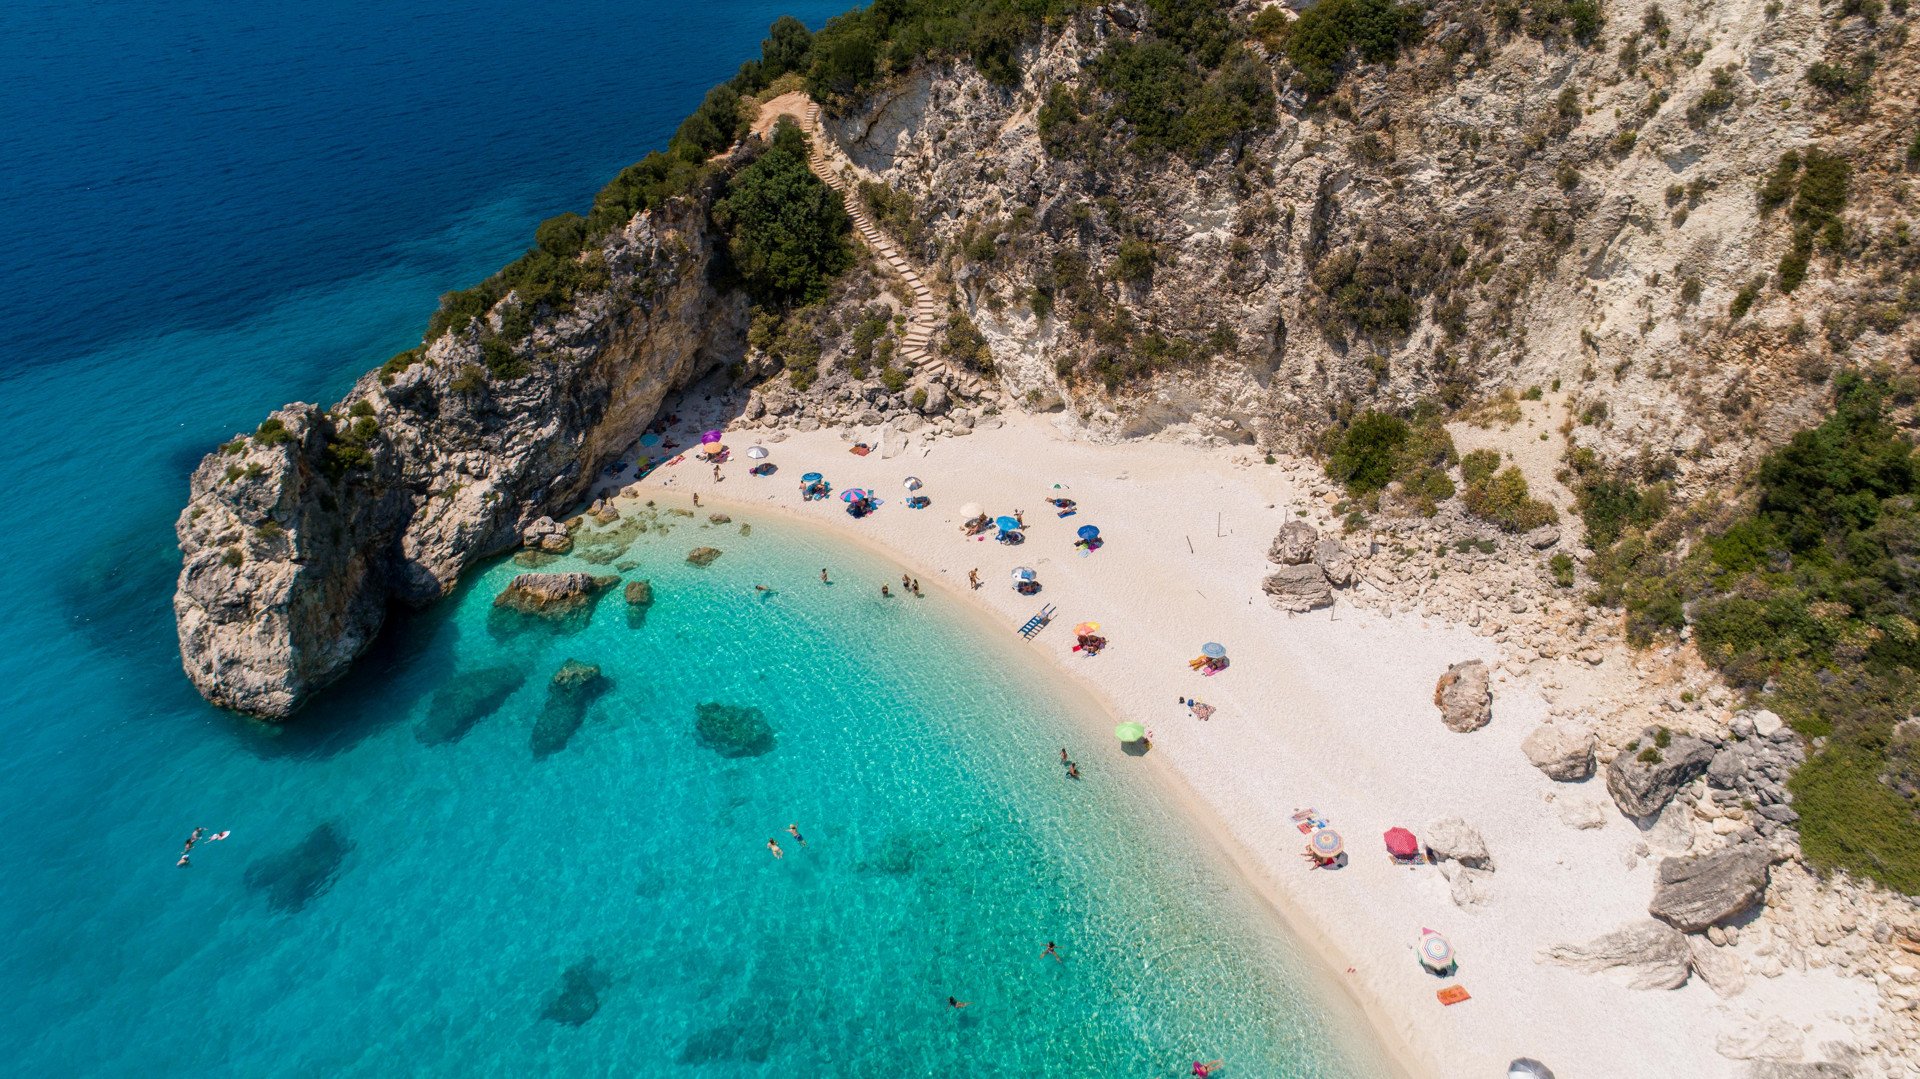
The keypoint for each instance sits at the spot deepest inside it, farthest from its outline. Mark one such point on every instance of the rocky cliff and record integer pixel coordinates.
(299, 536)
(1503, 207)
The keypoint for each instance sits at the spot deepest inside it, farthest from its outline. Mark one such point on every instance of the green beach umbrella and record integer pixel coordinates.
(1130, 732)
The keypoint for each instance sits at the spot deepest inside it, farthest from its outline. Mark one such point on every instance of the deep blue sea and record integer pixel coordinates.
(443, 867)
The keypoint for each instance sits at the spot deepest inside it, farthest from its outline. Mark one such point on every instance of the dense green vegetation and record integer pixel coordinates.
(787, 232)
(1500, 495)
(1377, 449)
(1805, 592)
(1813, 187)
(1188, 86)
(1334, 35)
(855, 50)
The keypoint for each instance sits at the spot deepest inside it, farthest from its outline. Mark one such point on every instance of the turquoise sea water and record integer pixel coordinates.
(214, 210)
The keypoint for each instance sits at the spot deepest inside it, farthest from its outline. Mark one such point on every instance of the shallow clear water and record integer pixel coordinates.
(220, 208)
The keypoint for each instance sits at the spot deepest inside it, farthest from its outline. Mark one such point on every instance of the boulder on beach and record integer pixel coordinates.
(1563, 753)
(1721, 968)
(1699, 890)
(1650, 954)
(1295, 545)
(1464, 696)
(1298, 588)
(703, 556)
(1646, 775)
(1452, 839)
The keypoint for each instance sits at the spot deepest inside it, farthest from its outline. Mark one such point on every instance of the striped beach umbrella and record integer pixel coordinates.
(1435, 953)
(852, 494)
(1326, 843)
(913, 483)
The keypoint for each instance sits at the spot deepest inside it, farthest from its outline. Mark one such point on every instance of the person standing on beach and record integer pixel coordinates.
(916, 586)
(775, 849)
(794, 831)
(696, 498)
(973, 578)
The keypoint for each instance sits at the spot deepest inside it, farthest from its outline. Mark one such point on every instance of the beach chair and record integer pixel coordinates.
(1037, 623)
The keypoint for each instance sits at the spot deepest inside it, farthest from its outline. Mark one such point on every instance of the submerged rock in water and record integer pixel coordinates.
(733, 730)
(639, 602)
(303, 873)
(467, 698)
(703, 556)
(534, 559)
(573, 688)
(578, 997)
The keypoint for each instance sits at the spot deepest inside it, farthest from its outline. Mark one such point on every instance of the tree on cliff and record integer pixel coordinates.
(786, 231)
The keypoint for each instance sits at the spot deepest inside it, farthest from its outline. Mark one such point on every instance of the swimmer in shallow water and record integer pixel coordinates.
(775, 848)
(794, 831)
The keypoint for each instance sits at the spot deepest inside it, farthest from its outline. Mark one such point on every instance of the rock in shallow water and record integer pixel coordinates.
(703, 556)
(303, 873)
(733, 730)
(466, 698)
(578, 997)
(551, 593)
(572, 690)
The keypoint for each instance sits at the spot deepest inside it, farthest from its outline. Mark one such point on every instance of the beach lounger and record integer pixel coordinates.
(1452, 994)
(1037, 623)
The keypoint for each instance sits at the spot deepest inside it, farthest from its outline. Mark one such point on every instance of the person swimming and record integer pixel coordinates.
(794, 831)
(952, 1003)
(1073, 770)
(775, 848)
(218, 836)
(1050, 951)
(1202, 1070)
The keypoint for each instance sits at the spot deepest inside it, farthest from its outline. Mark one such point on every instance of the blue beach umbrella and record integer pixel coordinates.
(812, 477)
(1213, 650)
(1023, 573)
(852, 494)
(1087, 532)
(1006, 524)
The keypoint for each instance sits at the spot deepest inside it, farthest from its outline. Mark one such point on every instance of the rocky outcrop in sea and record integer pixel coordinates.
(299, 536)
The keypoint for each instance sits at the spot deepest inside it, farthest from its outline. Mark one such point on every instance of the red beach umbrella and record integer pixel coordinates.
(1401, 844)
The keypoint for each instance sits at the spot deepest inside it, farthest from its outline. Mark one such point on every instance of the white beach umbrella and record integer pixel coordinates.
(913, 483)
(757, 452)
(970, 511)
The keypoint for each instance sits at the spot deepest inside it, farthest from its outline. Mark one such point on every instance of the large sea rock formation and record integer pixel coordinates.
(300, 537)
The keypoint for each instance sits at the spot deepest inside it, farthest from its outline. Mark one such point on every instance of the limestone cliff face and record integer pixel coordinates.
(1551, 212)
(299, 537)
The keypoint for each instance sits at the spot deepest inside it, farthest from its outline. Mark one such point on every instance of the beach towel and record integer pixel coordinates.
(1452, 994)
(860, 449)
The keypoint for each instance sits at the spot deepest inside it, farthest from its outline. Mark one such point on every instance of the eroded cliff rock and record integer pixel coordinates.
(297, 538)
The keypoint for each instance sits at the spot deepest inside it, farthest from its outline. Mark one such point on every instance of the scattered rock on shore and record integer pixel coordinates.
(1645, 776)
(1464, 696)
(1721, 968)
(1295, 545)
(1452, 839)
(1699, 890)
(1651, 955)
(1299, 588)
(1564, 753)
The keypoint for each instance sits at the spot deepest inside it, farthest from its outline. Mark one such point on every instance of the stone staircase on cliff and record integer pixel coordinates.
(923, 320)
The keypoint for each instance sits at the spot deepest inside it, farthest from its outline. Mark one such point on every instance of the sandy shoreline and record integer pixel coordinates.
(1329, 710)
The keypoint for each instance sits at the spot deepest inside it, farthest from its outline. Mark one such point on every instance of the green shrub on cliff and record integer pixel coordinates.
(1377, 449)
(786, 231)
(855, 50)
(1332, 36)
